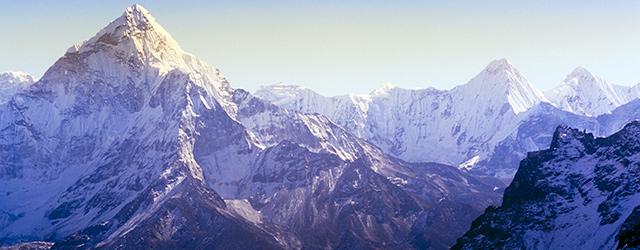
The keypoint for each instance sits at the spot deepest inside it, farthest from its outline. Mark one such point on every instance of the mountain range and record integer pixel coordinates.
(129, 142)
(486, 125)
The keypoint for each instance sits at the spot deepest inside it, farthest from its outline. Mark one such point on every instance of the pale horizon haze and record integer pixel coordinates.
(337, 47)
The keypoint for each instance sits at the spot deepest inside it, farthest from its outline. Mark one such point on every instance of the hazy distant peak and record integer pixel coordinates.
(584, 93)
(499, 83)
(15, 77)
(500, 65)
(382, 90)
(12, 82)
(582, 75)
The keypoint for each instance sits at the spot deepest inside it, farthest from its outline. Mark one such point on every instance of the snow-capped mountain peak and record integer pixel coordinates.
(382, 90)
(9, 78)
(500, 82)
(581, 73)
(138, 13)
(584, 93)
(502, 64)
(136, 30)
(133, 52)
(129, 102)
(12, 82)
(581, 79)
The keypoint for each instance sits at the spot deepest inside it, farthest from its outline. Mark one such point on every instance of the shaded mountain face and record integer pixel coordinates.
(331, 203)
(297, 179)
(191, 217)
(535, 132)
(581, 193)
(127, 140)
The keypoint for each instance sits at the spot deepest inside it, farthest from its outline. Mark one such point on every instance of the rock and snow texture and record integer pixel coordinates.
(129, 141)
(581, 193)
(498, 81)
(584, 93)
(451, 126)
(12, 83)
(330, 203)
(485, 126)
(308, 155)
(349, 111)
(122, 139)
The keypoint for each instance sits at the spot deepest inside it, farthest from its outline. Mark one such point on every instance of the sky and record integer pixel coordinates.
(340, 47)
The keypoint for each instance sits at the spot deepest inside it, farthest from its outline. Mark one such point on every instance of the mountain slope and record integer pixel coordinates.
(534, 132)
(500, 80)
(129, 141)
(108, 136)
(192, 217)
(307, 157)
(577, 194)
(331, 203)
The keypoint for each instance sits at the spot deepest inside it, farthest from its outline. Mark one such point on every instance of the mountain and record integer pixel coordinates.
(586, 94)
(580, 193)
(498, 84)
(103, 147)
(618, 118)
(348, 111)
(340, 204)
(453, 126)
(534, 132)
(486, 126)
(12, 83)
(310, 160)
(127, 140)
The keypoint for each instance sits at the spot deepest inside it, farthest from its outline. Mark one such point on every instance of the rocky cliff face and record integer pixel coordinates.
(332, 203)
(582, 192)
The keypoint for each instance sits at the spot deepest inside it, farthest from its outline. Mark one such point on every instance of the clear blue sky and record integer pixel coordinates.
(355, 46)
